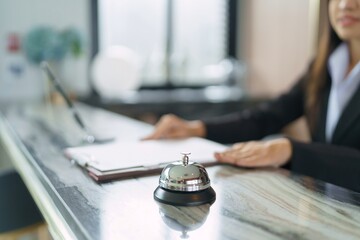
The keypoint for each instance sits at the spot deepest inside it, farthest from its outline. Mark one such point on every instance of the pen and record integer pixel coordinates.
(88, 138)
(59, 88)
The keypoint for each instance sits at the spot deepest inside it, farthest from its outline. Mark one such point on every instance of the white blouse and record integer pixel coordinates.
(343, 86)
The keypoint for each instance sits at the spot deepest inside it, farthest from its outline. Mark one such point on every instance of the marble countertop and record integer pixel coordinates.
(250, 204)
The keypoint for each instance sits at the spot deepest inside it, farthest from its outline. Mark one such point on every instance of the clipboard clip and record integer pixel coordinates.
(83, 160)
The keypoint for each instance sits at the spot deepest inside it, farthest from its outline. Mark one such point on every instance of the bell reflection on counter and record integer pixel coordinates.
(184, 219)
(184, 183)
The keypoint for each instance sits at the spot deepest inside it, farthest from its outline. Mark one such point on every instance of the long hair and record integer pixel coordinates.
(318, 73)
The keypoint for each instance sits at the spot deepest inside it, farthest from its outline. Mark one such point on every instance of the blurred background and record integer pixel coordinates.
(146, 58)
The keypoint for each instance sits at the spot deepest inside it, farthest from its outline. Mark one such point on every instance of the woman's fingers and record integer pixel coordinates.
(234, 156)
(257, 154)
(158, 133)
(169, 126)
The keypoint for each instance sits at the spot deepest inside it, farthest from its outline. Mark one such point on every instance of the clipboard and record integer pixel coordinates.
(127, 159)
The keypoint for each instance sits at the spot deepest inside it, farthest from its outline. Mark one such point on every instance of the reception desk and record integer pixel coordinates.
(250, 204)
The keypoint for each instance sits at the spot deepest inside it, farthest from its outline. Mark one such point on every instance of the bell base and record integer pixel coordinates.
(178, 198)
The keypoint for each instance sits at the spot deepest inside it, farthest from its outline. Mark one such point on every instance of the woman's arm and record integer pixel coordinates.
(335, 164)
(256, 123)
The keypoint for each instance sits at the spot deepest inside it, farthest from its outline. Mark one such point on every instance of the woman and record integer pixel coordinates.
(327, 95)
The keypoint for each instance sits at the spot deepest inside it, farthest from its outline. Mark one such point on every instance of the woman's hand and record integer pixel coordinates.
(274, 153)
(171, 127)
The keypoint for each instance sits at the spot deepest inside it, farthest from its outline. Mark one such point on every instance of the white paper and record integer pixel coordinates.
(150, 153)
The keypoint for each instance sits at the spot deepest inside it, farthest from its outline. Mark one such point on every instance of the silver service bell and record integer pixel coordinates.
(184, 183)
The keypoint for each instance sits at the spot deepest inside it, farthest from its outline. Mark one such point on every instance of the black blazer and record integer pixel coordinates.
(337, 162)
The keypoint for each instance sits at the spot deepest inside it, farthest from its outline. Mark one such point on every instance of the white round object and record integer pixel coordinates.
(115, 71)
